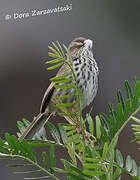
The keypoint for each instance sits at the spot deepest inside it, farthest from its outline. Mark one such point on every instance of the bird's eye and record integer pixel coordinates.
(80, 44)
(83, 44)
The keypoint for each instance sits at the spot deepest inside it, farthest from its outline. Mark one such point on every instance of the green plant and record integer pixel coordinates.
(91, 145)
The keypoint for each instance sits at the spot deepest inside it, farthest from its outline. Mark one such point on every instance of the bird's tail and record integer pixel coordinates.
(35, 126)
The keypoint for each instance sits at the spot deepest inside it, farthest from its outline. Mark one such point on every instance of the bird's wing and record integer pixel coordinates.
(46, 98)
(49, 92)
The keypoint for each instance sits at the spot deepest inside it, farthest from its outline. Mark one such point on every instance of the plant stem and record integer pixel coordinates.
(79, 95)
(125, 123)
(34, 163)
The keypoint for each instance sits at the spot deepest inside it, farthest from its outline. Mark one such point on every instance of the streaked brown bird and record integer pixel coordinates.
(86, 71)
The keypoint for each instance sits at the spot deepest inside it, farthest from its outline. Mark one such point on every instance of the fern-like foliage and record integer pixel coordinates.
(68, 80)
(23, 151)
(122, 114)
(136, 128)
(129, 166)
(92, 144)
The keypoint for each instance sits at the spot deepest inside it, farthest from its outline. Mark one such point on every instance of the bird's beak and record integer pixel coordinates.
(88, 43)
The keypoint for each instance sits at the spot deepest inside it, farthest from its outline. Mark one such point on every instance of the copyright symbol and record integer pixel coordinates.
(7, 17)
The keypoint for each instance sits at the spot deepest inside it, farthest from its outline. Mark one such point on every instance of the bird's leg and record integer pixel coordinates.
(86, 134)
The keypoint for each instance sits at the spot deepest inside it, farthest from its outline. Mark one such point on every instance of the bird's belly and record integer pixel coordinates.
(89, 91)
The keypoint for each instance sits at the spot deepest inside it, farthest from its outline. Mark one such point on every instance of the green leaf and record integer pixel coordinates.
(92, 166)
(105, 135)
(44, 155)
(75, 177)
(60, 47)
(71, 166)
(119, 115)
(57, 48)
(111, 110)
(134, 168)
(68, 114)
(60, 77)
(60, 170)
(78, 147)
(119, 158)
(65, 86)
(36, 178)
(3, 148)
(68, 54)
(18, 165)
(120, 99)
(136, 98)
(127, 109)
(72, 170)
(136, 119)
(21, 126)
(12, 142)
(67, 96)
(55, 66)
(87, 159)
(62, 132)
(52, 158)
(136, 127)
(105, 150)
(93, 173)
(98, 125)
(72, 132)
(110, 169)
(54, 51)
(26, 122)
(90, 123)
(39, 143)
(112, 129)
(63, 80)
(74, 138)
(112, 118)
(105, 120)
(117, 173)
(128, 90)
(52, 55)
(128, 163)
(65, 104)
(54, 61)
(27, 150)
(113, 143)
(54, 132)
(90, 152)
(68, 127)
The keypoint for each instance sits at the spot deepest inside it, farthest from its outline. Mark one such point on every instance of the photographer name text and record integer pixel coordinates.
(35, 12)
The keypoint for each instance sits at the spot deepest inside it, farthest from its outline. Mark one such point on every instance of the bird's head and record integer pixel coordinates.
(79, 43)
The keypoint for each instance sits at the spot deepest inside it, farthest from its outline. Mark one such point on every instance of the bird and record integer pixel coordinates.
(86, 71)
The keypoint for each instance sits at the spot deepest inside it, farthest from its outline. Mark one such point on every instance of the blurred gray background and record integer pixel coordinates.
(113, 25)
